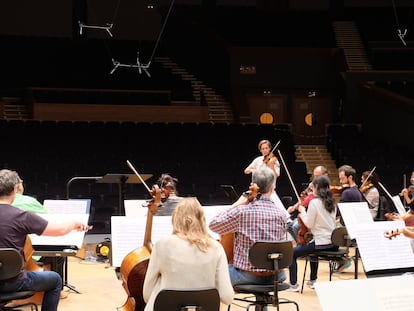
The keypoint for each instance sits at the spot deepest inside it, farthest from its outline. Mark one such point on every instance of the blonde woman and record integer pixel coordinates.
(187, 259)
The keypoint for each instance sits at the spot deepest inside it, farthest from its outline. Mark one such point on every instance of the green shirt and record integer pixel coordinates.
(28, 203)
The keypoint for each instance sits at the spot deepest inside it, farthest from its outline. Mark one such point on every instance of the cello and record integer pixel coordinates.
(135, 264)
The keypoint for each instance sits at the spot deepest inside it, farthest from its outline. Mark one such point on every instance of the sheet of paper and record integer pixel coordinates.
(380, 253)
(72, 238)
(72, 206)
(127, 233)
(392, 293)
(136, 208)
(398, 205)
(354, 213)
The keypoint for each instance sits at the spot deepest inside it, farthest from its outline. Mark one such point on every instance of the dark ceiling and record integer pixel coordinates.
(132, 19)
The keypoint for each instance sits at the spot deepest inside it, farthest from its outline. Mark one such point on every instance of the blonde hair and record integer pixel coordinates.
(189, 222)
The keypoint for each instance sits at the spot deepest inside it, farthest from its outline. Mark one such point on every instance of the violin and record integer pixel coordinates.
(252, 193)
(366, 187)
(304, 234)
(269, 157)
(339, 189)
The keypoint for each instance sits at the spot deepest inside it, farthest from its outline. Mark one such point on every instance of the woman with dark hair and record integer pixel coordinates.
(169, 194)
(320, 218)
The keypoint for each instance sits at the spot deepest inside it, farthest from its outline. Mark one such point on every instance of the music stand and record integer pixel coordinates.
(122, 180)
(230, 192)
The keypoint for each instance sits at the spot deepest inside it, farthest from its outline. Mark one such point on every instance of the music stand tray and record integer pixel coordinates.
(122, 180)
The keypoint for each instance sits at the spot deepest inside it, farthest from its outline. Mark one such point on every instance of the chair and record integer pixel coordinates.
(11, 263)
(340, 238)
(192, 300)
(270, 256)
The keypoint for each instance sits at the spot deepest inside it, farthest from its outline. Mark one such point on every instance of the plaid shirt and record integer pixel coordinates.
(260, 220)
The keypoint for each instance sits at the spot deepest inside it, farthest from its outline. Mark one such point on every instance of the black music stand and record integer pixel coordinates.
(65, 253)
(122, 180)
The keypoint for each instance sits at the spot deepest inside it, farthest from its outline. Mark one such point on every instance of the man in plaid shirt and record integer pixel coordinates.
(251, 220)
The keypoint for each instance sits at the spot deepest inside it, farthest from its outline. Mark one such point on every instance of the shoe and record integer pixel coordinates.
(293, 288)
(343, 265)
(63, 295)
(311, 284)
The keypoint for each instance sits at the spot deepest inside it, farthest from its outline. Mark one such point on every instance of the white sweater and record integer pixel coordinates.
(175, 264)
(320, 222)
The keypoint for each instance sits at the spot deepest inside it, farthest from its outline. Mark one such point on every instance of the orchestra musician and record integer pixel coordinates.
(370, 192)
(408, 218)
(189, 258)
(270, 160)
(169, 194)
(320, 218)
(306, 197)
(252, 219)
(15, 225)
(350, 193)
(31, 204)
(408, 195)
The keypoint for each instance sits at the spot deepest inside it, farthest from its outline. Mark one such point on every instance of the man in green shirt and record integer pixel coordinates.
(27, 203)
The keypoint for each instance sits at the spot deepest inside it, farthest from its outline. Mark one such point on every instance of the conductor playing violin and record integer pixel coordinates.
(15, 225)
(268, 159)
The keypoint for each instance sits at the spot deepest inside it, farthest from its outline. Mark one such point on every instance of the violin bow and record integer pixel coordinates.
(274, 148)
(139, 176)
(369, 175)
(290, 178)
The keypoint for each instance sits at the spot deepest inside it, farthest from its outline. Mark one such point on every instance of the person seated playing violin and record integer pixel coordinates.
(320, 218)
(296, 228)
(370, 192)
(251, 220)
(347, 177)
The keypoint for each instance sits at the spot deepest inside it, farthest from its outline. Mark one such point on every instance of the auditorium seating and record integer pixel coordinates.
(349, 145)
(203, 156)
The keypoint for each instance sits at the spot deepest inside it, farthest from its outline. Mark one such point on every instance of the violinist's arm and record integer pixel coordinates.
(242, 200)
(392, 216)
(249, 170)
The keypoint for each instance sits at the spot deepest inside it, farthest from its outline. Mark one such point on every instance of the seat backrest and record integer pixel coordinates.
(260, 254)
(206, 299)
(11, 263)
(340, 237)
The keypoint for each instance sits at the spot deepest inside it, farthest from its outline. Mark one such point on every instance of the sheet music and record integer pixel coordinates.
(72, 206)
(72, 238)
(136, 208)
(354, 213)
(392, 293)
(128, 232)
(398, 205)
(380, 253)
